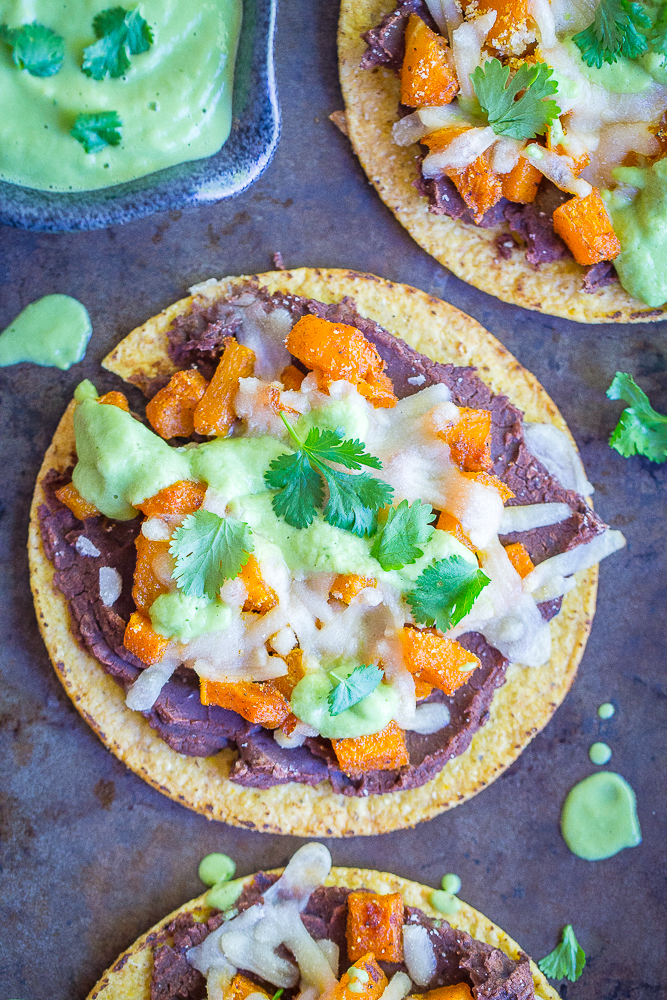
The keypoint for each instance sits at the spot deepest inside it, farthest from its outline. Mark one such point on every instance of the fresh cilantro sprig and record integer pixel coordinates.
(299, 481)
(352, 689)
(120, 33)
(640, 430)
(97, 129)
(35, 48)
(398, 541)
(657, 36)
(446, 591)
(567, 960)
(521, 117)
(613, 33)
(209, 550)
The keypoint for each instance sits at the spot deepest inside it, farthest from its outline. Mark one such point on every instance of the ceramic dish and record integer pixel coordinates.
(245, 155)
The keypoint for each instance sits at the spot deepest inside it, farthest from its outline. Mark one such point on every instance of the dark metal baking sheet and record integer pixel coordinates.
(90, 855)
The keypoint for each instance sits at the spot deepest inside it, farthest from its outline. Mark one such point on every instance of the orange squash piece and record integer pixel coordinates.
(114, 398)
(241, 987)
(142, 639)
(214, 414)
(347, 585)
(443, 663)
(70, 496)
(338, 351)
(583, 224)
(372, 989)
(422, 689)
(375, 924)
(171, 412)
(292, 377)
(459, 992)
(479, 186)
(510, 24)
(147, 587)
(382, 751)
(487, 479)
(261, 597)
(470, 440)
(517, 553)
(183, 497)
(287, 683)
(439, 140)
(447, 522)
(427, 74)
(521, 183)
(259, 702)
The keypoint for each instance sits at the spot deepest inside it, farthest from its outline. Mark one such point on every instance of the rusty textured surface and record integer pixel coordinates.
(91, 856)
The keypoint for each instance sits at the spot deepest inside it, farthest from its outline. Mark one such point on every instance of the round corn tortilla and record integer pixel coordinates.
(130, 976)
(371, 102)
(520, 709)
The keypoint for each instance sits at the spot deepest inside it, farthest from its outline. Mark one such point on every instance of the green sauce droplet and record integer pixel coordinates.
(216, 868)
(451, 883)
(224, 894)
(443, 901)
(600, 753)
(53, 332)
(606, 711)
(599, 817)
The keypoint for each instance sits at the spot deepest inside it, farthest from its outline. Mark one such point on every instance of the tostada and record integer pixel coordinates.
(315, 931)
(334, 582)
(520, 142)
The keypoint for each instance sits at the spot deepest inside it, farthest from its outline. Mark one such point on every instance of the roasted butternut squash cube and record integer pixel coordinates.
(583, 224)
(521, 183)
(470, 440)
(440, 139)
(459, 992)
(115, 398)
(183, 497)
(171, 411)
(513, 29)
(241, 987)
(479, 186)
(346, 586)
(259, 702)
(147, 586)
(142, 639)
(295, 671)
(375, 924)
(441, 662)
(447, 522)
(517, 554)
(70, 496)
(427, 75)
(372, 987)
(292, 377)
(382, 751)
(487, 479)
(261, 597)
(214, 414)
(339, 351)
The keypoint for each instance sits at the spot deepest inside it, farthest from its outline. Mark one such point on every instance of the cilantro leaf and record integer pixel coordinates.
(406, 528)
(353, 501)
(35, 48)
(657, 36)
(567, 960)
(446, 591)
(524, 117)
(352, 689)
(120, 33)
(97, 129)
(209, 550)
(613, 33)
(640, 430)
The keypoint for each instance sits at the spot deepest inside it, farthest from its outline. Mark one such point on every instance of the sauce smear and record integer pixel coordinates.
(599, 817)
(53, 331)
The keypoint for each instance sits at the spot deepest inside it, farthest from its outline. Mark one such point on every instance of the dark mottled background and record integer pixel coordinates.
(91, 856)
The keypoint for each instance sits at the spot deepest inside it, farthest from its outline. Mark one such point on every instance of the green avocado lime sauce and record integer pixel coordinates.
(175, 101)
(599, 817)
(606, 710)
(624, 76)
(370, 715)
(53, 331)
(177, 616)
(640, 222)
(599, 753)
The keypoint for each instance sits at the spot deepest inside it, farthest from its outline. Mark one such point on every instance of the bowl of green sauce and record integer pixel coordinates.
(110, 113)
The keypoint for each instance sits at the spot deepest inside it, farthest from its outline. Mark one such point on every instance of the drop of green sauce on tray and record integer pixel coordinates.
(606, 710)
(600, 753)
(599, 817)
(53, 331)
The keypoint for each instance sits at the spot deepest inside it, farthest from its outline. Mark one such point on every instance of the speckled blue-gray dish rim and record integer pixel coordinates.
(245, 155)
